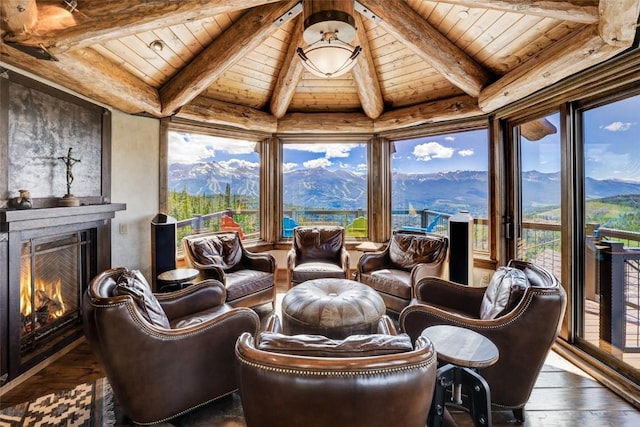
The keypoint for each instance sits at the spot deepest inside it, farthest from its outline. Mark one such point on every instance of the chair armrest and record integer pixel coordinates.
(443, 293)
(345, 259)
(371, 261)
(259, 261)
(386, 326)
(422, 270)
(192, 299)
(273, 324)
(209, 271)
(292, 259)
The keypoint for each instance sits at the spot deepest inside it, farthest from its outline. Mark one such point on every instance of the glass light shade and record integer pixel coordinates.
(329, 58)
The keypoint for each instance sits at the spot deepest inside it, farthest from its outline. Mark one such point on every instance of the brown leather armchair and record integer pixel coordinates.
(163, 354)
(376, 380)
(316, 253)
(248, 277)
(520, 311)
(409, 256)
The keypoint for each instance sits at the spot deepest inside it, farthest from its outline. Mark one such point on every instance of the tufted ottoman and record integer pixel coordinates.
(335, 308)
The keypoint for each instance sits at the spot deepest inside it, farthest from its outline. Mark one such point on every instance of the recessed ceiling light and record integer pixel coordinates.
(157, 45)
(463, 14)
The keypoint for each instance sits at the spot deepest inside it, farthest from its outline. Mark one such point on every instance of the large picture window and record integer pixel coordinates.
(213, 184)
(611, 230)
(325, 184)
(435, 177)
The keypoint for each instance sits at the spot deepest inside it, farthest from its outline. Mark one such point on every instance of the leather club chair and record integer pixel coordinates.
(521, 311)
(376, 380)
(316, 253)
(248, 277)
(163, 354)
(409, 256)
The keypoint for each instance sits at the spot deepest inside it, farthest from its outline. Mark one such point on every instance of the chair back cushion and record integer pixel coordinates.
(406, 250)
(318, 243)
(134, 284)
(320, 346)
(505, 289)
(222, 249)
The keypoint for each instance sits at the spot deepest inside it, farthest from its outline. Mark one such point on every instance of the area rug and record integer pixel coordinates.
(93, 405)
(87, 405)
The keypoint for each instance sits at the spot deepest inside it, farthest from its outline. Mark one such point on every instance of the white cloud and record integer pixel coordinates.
(286, 167)
(617, 126)
(317, 163)
(329, 150)
(465, 153)
(432, 150)
(449, 138)
(238, 163)
(361, 166)
(192, 148)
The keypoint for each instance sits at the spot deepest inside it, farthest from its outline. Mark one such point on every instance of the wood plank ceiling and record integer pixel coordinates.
(233, 62)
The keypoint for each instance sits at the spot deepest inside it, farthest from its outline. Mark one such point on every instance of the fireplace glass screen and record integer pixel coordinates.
(52, 275)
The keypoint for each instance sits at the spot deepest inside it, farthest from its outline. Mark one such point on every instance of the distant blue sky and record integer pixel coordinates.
(612, 137)
(442, 153)
(612, 141)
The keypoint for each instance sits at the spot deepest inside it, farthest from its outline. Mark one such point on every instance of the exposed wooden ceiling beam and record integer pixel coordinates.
(325, 123)
(618, 21)
(585, 11)
(402, 22)
(535, 130)
(99, 21)
(253, 28)
(88, 73)
(18, 16)
(574, 53)
(289, 76)
(365, 77)
(458, 107)
(207, 110)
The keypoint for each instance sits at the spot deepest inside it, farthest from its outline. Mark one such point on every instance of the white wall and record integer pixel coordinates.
(135, 160)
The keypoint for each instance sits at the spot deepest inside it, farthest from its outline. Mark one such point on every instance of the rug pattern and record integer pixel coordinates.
(87, 405)
(93, 405)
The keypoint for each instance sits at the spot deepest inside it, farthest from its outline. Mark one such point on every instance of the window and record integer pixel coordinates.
(611, 230)
(435, 177)
(325, 184)
(539, 227)
(213, 184)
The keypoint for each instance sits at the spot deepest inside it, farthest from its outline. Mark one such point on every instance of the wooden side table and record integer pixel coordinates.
(457, 382)
(173, 280)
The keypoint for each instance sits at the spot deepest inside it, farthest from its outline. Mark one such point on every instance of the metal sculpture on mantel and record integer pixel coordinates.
(69, 199)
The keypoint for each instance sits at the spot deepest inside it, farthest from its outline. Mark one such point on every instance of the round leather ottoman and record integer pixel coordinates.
(335, 308)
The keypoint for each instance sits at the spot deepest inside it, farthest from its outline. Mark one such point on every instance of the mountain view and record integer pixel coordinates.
(447, 192)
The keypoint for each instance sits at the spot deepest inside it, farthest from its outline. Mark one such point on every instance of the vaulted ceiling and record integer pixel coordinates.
(233, 62)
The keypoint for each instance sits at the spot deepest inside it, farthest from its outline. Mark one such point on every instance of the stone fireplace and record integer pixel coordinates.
(48, 257)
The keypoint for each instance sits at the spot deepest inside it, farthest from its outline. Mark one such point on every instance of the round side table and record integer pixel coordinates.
(463, 351)
(173, 280)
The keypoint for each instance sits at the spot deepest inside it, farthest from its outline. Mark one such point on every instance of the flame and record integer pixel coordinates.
(46, 293)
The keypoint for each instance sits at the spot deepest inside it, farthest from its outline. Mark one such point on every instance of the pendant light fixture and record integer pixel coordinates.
(328, 28)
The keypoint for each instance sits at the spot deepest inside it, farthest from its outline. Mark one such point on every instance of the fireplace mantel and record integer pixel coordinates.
(27, 219)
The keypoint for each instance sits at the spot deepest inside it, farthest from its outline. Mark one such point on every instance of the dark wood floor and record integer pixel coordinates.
(563, 395)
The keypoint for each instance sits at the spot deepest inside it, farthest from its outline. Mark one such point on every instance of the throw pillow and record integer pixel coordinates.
(504, 291)
(407, 250)
(134, 284)
(223, 250)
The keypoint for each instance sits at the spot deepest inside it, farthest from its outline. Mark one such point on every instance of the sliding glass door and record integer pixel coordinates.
(609, 325)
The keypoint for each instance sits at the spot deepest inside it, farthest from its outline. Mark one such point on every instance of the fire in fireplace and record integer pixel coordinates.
(51, 272)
